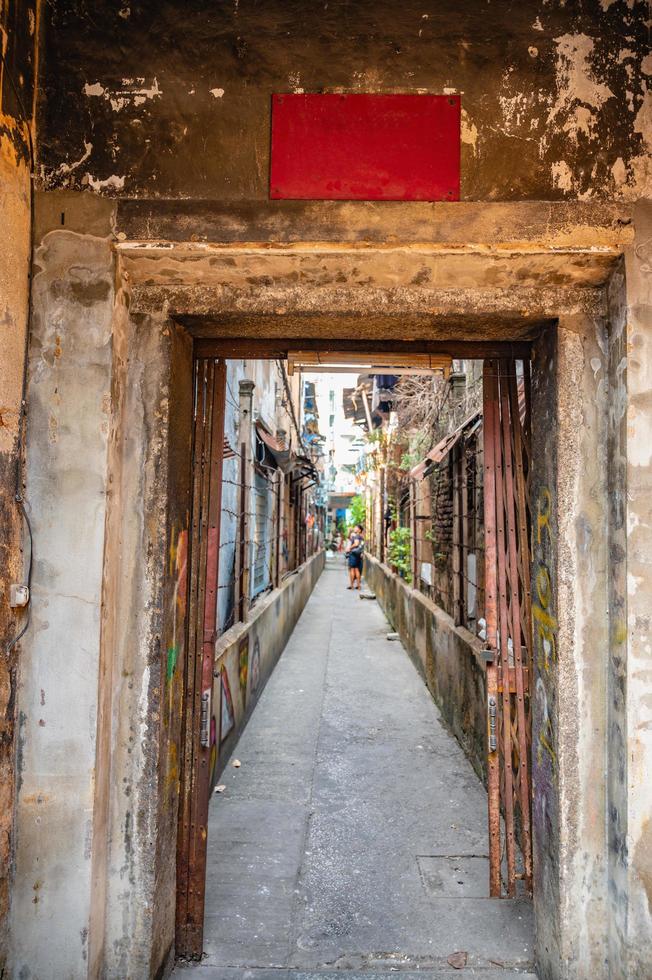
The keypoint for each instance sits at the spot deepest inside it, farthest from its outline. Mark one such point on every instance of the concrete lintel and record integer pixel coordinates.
(402, 281)
(317, 266)
(551, 224)
(473, 309)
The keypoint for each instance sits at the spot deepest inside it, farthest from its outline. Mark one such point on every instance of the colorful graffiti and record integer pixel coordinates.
(227, 714)
(255, 668)
(545, 625)
(178, 564)
(212, 763)
(177, 569)
(243, 668)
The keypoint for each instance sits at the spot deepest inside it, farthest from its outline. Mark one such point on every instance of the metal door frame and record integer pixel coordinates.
(509, 622)
(207, 457)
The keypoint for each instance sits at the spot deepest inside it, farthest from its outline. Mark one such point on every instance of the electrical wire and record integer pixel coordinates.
(20, 447)
(286, 385)
(20, 635)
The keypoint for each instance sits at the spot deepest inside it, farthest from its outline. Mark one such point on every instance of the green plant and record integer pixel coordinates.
(408, 460)
(399, 551)
(439, 557)
(358, 510)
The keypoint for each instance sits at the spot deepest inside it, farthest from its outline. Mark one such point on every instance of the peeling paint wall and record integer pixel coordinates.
(18, 29)
(557, 97)
(143, 644)
(66, 492)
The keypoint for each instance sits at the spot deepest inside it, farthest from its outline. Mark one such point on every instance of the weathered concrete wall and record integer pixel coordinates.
(66, 492)
(246, 655)
(143, 646)
(617, 752)
(571, 641)
(639, 590)
(18, 31)
(448, 657)
(101, 679)
(555, 96)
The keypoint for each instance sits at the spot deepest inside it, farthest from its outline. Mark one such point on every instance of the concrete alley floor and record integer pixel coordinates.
(353, 836)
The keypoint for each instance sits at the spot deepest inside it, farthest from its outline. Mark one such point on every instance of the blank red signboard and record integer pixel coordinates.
(365, 147)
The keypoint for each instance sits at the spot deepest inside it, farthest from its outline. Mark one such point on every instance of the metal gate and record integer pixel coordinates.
(506, 391)
(207, 458)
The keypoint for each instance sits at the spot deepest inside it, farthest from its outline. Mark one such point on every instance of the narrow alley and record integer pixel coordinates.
(353, 835)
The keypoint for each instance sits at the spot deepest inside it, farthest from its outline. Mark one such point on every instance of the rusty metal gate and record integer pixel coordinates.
(207, 458)
(506, 409)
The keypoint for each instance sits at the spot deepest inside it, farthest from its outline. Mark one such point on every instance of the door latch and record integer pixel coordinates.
(493, 741)
(205, 722)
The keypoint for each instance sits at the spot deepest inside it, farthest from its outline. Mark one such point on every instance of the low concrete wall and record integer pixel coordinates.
(246, 655)
(447, 656)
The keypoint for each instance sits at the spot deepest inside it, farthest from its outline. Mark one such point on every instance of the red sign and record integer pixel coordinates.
(366, 147)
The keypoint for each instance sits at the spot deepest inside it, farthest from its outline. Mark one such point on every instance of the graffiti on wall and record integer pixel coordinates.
(255, 668)
(227, 714)
(236, 672)
(545, 625)
(212, 761)
(177, 570)
(243, 668)
(545, 628)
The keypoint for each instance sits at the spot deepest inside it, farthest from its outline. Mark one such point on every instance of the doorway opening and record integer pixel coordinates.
(257, 518)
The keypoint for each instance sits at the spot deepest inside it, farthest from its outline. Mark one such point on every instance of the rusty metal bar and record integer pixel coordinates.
(493, 781)
(457, 556)
(189, 931)
(213, 459)
(280, 481)
(503, 620)
(510, 425)
(414, 566)
(520, 454)
(241, 547)
(490, 610)
(382, 549)
(183, 835)
(465, 524)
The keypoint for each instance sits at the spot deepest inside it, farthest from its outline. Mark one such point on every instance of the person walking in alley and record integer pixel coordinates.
(354, 550)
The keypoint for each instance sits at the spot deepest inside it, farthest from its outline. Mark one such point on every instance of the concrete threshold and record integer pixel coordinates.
(352, 838)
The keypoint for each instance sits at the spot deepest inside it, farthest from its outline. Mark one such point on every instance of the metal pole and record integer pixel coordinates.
(413, 534)
(246, 391)
(381, 550)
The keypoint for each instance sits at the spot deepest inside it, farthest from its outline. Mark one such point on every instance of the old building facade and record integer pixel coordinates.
(141, 247)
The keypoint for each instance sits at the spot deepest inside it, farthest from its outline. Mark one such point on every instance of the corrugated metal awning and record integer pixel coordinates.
(442, 449)
(278, 451)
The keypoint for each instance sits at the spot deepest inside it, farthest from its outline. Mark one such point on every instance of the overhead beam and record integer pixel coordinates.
(390, 362)
(553, 224)
(266, 348)
(362, 369)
